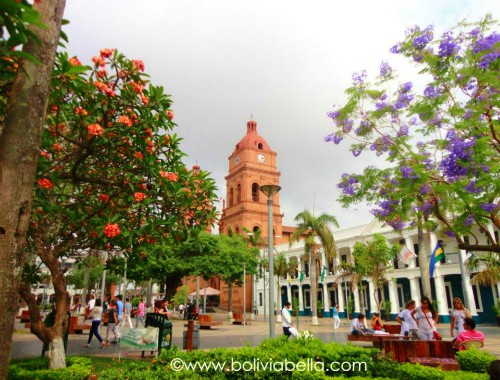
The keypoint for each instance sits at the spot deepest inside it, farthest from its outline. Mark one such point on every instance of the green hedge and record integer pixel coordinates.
(474, 360)
(78, 368)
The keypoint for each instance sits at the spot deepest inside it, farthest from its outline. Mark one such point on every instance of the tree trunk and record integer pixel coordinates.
(172, 282)
(19, 150)
(314, 288)
(57, 356)
(423, 260)
(149, 297)
(230, 299)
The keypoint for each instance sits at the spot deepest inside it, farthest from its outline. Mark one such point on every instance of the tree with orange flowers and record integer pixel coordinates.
(110, 177)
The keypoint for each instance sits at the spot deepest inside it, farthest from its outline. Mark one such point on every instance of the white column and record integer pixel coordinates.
(340, 296)
(356, 297)
(415, 289)
(326, 298)
(409, 244)
(393, 296)
(466, 285)
(373, 301)
(440, 295)
(301, 298)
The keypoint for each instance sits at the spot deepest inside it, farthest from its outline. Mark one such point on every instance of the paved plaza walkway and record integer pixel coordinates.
(27, 345)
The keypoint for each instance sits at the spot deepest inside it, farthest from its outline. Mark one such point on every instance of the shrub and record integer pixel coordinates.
(462, 375)
(474, 360)
(78, 368)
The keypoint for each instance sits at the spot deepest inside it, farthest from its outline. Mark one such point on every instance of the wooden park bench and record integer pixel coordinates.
(392, 328)
(376, 339)
(432, 353)
(238, 319)
(78, 328)
(205, 322)
(24, 317)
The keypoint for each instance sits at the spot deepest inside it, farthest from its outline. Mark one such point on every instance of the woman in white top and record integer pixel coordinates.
(95, 316)
(408, 325)
(427, 319)
(458, 314)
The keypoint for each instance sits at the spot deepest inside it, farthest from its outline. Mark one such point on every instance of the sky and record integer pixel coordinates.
(283, 63)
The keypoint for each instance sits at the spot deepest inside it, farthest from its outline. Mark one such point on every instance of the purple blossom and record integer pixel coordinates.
(424, 38)
(486, 43)
(404, 99)
(380, 105)
(403, 131)
(456, 163)
(335, 137)
(358, 79)
(489, 207)
(347, 125)
(430, 92)
(447, 46)
(333, 114)
(425, 189)
(475, 32)
(449, 233)
(487, 59)
(385, 69)
(426, 208)
(356, 152)
(408, 172)
(469, 220)
(396, 49)
(406, 87)
(348, 184)
(397, 224)
(364, 127)
(467, 114)
(471, 188)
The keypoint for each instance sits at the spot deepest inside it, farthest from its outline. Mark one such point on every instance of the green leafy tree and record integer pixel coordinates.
(442, 145)
(234, 254)
(373, 259)
(110, 176)
(312, 227)
(26, 62)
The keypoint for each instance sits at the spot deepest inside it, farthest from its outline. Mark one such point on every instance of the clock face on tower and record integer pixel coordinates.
(236, 160)
(261, 158)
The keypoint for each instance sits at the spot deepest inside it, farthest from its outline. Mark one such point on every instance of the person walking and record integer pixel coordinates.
(127, 310)
(119, 309)
(336, 318)
(458, 315)
(286, 319)
(141, 312)
(112, 323)
(95, 315)
(427, 319)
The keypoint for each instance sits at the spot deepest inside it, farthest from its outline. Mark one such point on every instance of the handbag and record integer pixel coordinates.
(293, 331)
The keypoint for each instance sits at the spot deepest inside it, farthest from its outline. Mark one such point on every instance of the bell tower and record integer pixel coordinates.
(251, 165)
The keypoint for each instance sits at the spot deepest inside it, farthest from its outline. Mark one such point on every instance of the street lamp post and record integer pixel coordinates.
(270, 190)
(244, 295)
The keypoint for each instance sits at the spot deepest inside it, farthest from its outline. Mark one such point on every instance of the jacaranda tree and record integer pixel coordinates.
(110, 176)
(442, 144)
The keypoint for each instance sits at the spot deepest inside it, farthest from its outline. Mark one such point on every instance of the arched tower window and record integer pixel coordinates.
(230, 197)
(238, 193)
(260, 146)
(255, 192)
(256, 229)
(237, 230)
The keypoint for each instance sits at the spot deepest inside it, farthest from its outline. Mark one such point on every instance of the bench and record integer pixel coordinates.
(205, 322)
(78, 329)
(376, 339)
(432, 353)
(392, 328)
(238, 319)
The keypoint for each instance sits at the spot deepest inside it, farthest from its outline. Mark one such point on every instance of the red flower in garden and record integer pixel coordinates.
(139, 197)
(111, 230)
(94, 129)
(93, 234)
(104, 198)
(57, 147)
(81, 111)
(74, 61)
(102, 73)
(145, 100)
(174, 177)
(138, 87)
(106, 53)
(45, 154)
(138, 155)
(170, 114)
(45, 183)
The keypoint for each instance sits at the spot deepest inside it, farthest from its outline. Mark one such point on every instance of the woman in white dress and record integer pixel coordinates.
(458, 314)
(427, 319)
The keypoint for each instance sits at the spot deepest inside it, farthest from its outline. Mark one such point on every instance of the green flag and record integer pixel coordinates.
(323, 272)
(301, 277)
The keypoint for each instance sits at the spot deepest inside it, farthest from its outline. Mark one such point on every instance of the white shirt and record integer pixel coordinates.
(91, 304)
(356, 324)
(408, 321)
(286, 319)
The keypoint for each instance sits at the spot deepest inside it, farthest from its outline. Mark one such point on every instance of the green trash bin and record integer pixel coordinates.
(165, 334)
(49, 322)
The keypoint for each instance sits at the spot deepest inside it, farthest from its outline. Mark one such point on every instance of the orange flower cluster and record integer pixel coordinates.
(103, 87)
(111, 230)
(74, 61)
(104, 198)
(81, 111)
(94, 129)
(106, 53)
(138, 64)
(139, 197)
(57, 147)
(138, 155)
(170, 114)
(45, 183)
(125, 120)
(173, 177)
(98, 61)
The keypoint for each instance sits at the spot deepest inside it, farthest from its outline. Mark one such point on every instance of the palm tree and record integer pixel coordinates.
(310, 226)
